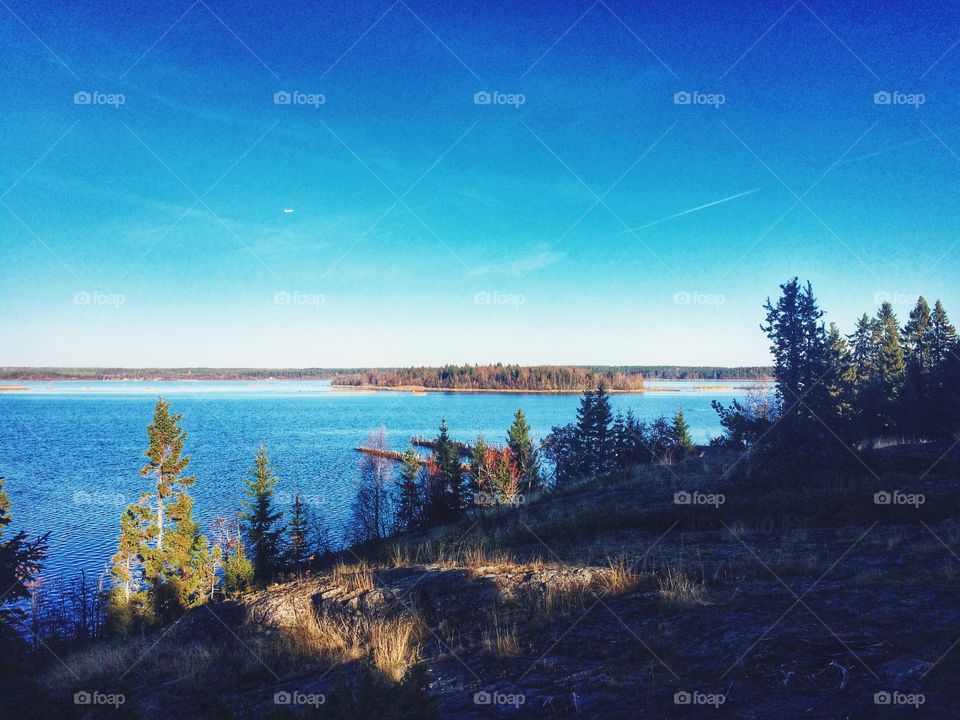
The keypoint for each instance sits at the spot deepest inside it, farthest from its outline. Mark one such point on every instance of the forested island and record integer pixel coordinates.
(501, 378)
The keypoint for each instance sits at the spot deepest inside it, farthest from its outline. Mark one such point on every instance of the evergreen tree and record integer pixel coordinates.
(298, 545)
(840, 381)
(560, 448)
(863, 350)
(620, 442)
(21, 560)
(260, 519)
(594, 439)
(890, 371)
(524, 452)
(917, 340)
(409, 501)
(636, 447)
(681, 434)
(238, 572)
(481, 472)
(945, 374)
(508, 481)
(447, 496)
(943, 337)
(661, 440)
(162, 562)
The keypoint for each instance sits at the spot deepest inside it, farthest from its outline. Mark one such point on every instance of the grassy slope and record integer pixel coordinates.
(603, 600)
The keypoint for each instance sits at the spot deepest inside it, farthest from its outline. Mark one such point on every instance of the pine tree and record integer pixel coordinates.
(261, 519)
(681, 434)
(409, 501)
(524, 452)
(163, 563)
(166, 463)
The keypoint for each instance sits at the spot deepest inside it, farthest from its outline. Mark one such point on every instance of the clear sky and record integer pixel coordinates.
(160, 205)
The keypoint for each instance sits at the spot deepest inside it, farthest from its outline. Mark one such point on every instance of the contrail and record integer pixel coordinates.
(692, 210)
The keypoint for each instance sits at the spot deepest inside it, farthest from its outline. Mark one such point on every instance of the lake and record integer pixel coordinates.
(72, 451)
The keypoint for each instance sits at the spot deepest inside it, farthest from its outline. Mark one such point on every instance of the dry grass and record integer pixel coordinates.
(620, 576)
(679, 590)
(501, 640)
(357, 577)
(395, 646)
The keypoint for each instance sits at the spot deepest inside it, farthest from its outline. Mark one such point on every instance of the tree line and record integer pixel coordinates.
(883, 383)
(540, 378)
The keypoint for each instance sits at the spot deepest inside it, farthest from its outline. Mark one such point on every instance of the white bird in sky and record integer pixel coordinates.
(288, 210)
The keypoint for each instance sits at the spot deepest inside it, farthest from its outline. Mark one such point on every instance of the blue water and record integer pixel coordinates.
(72, 451)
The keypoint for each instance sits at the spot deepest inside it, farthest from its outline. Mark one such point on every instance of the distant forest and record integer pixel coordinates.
(56, 373)
(693, 372)
(472, 377)
(540, 378)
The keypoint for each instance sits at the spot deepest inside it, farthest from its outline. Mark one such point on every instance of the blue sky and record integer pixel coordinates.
(562, 222)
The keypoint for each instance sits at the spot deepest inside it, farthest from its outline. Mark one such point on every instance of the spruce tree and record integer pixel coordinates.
(890, 371)
(447, 489)
(620, 442)
(21, 560)
(524, 452)
(298, 550)
(682, 441)
(945, 375)
(917, 341)
(261, 519)
(409, 502)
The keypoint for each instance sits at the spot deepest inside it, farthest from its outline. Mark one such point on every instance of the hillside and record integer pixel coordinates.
(602, 600)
